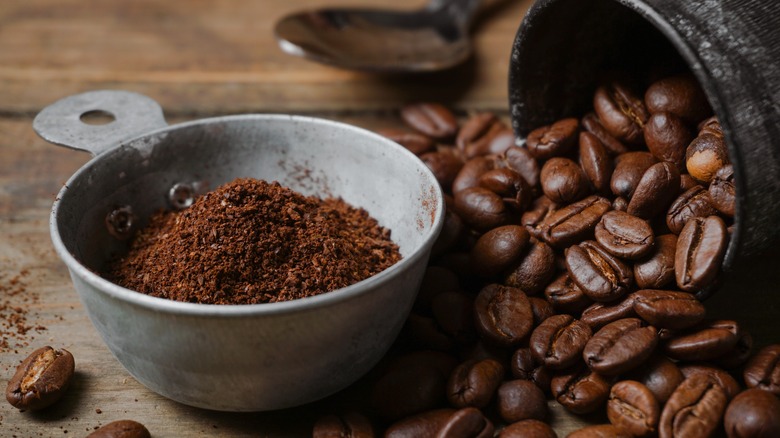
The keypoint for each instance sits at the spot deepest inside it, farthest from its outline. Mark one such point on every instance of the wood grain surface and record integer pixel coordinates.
(201, 58)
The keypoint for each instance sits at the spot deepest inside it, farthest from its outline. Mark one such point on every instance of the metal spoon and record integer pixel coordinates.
(432, 38)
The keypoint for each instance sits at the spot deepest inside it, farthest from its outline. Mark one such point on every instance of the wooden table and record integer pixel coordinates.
(200, 58)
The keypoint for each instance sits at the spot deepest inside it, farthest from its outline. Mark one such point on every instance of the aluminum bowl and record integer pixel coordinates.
(236, 357)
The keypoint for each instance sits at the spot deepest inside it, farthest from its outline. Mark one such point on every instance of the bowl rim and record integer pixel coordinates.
(325, 299)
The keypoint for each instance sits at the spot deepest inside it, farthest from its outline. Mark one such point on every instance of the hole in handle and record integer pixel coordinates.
(97, 117)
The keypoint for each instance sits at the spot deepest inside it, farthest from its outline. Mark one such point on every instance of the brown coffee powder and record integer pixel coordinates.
(250, 241)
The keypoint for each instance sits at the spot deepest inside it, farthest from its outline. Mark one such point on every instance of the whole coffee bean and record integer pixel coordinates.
(622, 113)
(498, 143)
(417, 144)
(753, 414)
(534, 270)
(668, 309)
(554, 140)
(503, 315)
(431, 119)
(573, 223)
(700, 250)
(558, 341)
(349, 425)
(763, 370)
(481, 209)
(477, 132)
(592, 124)
(521, 400)
(540, 209)
(522, 162)
(629, 169)
(694, 409)
(445, 166)
(522, 363)
(599, 431)
(410, 384)
(133, 429)
(472, 169)
(728, 383)
(687, 182)
(565, 296)
(680, 95)
(510, 185)
(660, 375)
(620, 346)
(723, 192)
(563, 181)
(633, 408)
(41, 379)
(498, 249)
(473, 383)
(693, 203)
(580, 390)
(705, 155)
(600, 275)
(453, 312)
(595, 162)
(706, 341)
(425, 424)
(466, 423)
(528, 429)
(624, 235)
(657, 270)
(541, 309)
(656, 190)
(598, 315)
(667, 137)
(739, 354)
(620, 204)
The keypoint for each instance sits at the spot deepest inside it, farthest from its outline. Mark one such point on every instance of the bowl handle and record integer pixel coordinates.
(128, 115)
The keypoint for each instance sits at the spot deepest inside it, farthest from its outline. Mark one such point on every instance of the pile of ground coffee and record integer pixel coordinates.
(250, 241)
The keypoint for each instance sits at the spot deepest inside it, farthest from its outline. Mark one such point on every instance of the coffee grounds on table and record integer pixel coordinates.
(251, 241)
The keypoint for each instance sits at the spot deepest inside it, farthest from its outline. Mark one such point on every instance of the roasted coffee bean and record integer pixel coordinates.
(687, 182)
(725, 380)
(723, 192)
(498, 249)
(656, 190)
(739, 354)
(600, 275)
(425, 424)
(540, 209)
(469, 174)
(620, 204)
(563, 181)
(445, 166)
(620, 346)
(580, 390)
(705, 341)
(453, 312)
(595, 162)
(503, 315)
(565, 296)
(592, 124)
(667, 137)
(558, 342)
(510, 185)
(706, 154)
(534, 270)
(554, 140)
(693, 203)
(657, 270)
(522, 363)
(680, 95)
(660, 375)
(522, 162)
(435, 281)
(476, 133)
(134, 429)
(694, 409)
(599, 431)
(521, 400)
(753, 414)
(431, 119)
(41, 379)
(668, 309)
(417, 144)
(763, 370)
(528, 429)
(481, 209)
(629, 169)
(598, 315)
(573, 223)
(633, 408)
(466, 423)
(700, 250)
(473, 383)
(541, 309)
(349, 425)
(499, 142)
(621, 112)
(624, 235)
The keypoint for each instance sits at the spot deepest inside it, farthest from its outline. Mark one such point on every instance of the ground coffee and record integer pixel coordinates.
(251, 241)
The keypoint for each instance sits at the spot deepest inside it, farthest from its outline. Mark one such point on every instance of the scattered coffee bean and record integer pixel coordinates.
(124, 429)
(657, 188)
(693, 203)
(599, 431)
(680, 95)
(473, 383)
(431, 119)
(466, 423)
(41, 379)
(521, 400)
(624, 235)
(633, 408)
(694, 409)
(597, 315)
(554, 140)
(657, 270)
(503, 315)
(417, 144)
(660, 375)
(349, 425)
(571, 224)
(723, 192)
(629, 169)
(707, 153)
(558, 341)
(763, 370)
(528, 429)
(427, 423)
(498, 249)
(535, 269)
(700, 250)
(707, 341)
(481, 208)
(563, 181)
(565, 296)
(444, 164)
(728, 383)
(668, 309)
(753, 414)
(580, 390)
(620, 346)
(595, 162)
(592, 124)
(621, 112)
(667, 137)
(600, 275)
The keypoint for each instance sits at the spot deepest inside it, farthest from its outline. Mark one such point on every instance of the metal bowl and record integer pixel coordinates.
(236, 357)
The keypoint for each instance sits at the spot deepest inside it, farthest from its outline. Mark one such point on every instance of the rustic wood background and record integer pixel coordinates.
(201, 58)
